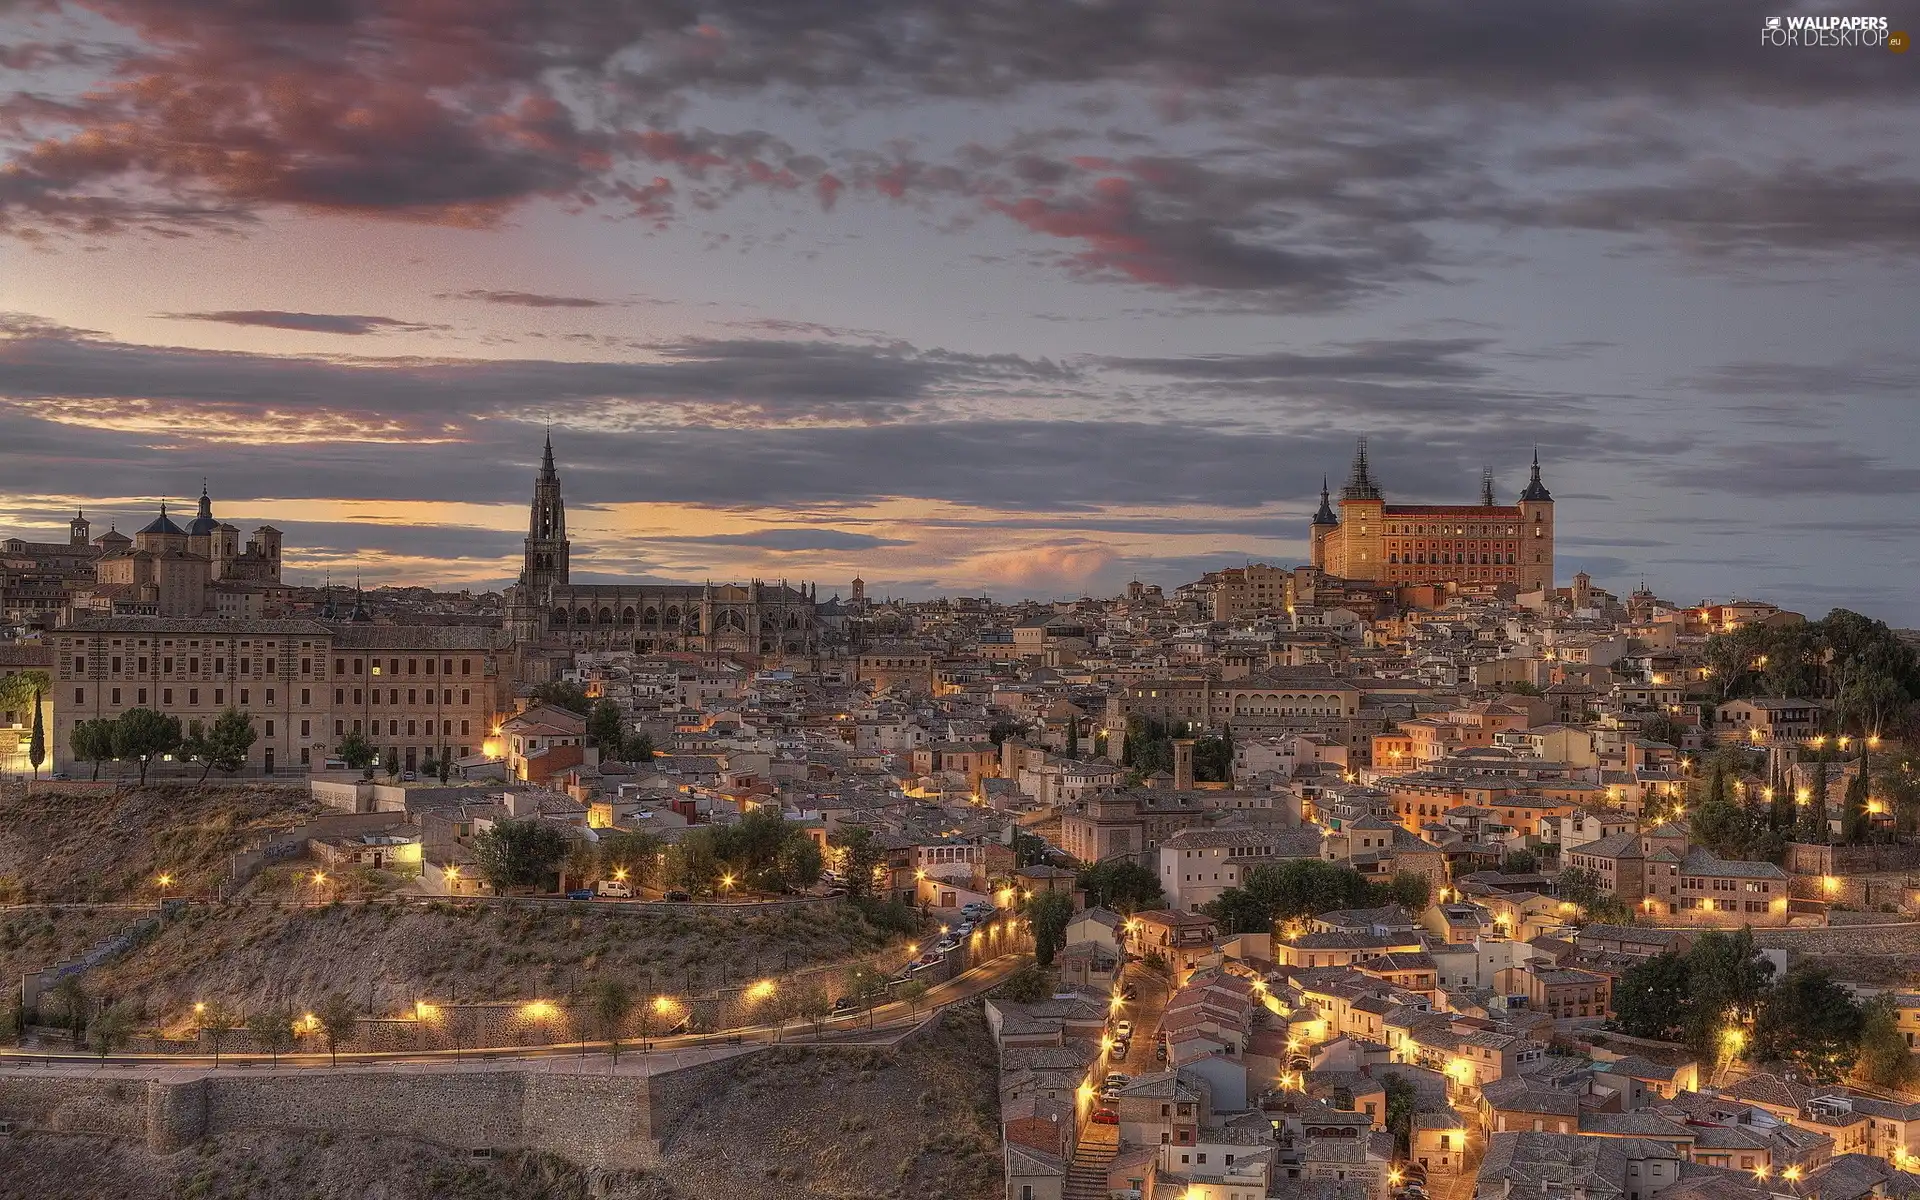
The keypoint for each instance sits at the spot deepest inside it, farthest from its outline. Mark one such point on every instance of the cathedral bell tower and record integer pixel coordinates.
(545, 560)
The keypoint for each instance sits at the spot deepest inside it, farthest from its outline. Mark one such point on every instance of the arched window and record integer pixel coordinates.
(673, 615)
(583, 617)
(559, 616)
(626, 615)
(651, 616)
(606, 615)
(793, 621)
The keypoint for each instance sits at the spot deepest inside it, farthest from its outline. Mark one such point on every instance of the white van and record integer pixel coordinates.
(615, 889)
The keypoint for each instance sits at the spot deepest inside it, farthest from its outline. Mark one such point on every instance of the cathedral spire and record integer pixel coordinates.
(1486, 487)
(547, 472)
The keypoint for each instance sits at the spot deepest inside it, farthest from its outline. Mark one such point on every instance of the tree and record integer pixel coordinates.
(612, 1004)
(1029, 849)
(1885, 1060)
(1411, 890)
(339, 1019)
(1855, 821)
(143, 735)
(519, 854)
(1213, 757)
(1651, 999)
(1662, 728)
(225, 746)
(1125, 887)
(563, 694)
(1296, 888)
(37, 740)
(72, 997)
(1719, 824)
(1027, 984)
(92, 741)
(1403, 1100)
(1810, 1021)
(272, 1031)
(582, 865)
(1814, 827)
(1005, 728)
(812, 1004)
(1073, 737)
(357, 752)
(637, 749)
(216, 1021)
(606, 729)
(861, 857)
(800, 862)
(446, 767)
(632, 856)
(1725, 978)
(1049, 913)
(694, 861)
(913, 993)
(110, 1030)
(392, 763)
(19, 689)
(429, 766)
(1520, 862)
(867, 986)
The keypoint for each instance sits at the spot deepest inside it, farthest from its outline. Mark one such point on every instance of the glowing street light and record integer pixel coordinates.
(165, 881)
(620, 874)
(761, 991)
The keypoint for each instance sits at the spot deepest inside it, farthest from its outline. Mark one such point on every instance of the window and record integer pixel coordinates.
(116, 696)
(166, 697)
(79, 695)
(339, 728)
(306, 729)
(306, 696)
(141, 698)
(220, 696)
(269, 728)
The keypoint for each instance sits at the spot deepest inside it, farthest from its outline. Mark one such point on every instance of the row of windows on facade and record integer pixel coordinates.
(116, 664)
(1474, 559)
(306, 696)
(586, 616)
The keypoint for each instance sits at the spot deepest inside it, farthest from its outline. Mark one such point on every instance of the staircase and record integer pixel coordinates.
(1087, 1176)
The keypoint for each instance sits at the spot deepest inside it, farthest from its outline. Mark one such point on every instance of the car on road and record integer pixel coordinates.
(1105, 1116)
(1160, 1051)
(1129, 992)
(677, 897)
(1123, 1031)
(617, 889)
(580, 894)
(1120, 1049)
(930, 958)
(1114, 1082)
(844, 1005)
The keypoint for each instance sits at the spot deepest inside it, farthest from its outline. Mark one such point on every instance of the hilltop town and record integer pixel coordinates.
(1405, 872)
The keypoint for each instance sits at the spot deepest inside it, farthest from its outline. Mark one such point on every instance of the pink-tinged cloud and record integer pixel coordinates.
(1045, 568)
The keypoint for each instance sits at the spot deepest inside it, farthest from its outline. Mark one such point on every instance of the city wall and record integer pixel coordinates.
(603, 1121)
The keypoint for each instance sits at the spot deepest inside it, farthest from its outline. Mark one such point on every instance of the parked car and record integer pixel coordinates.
(617, 889)
(1122, 1031)
(580, 894)
(409, 777)
(1160, 1051)
(1105, 1116)
(844, 1004)
(677, 897)
(1120, 1048)
(1115, 1081)
(1129, 992)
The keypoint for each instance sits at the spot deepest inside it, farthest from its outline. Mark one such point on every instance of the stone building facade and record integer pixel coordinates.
(1372, 540)
(547, 608)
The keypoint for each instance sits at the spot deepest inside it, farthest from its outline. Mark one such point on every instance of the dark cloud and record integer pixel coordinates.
(525, 299)
(735, 380)
(303, 322)
(1807, 379)
(1808, 467)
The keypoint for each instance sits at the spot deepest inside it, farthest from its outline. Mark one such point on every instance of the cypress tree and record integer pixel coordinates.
(37, 741)
(1855, 824)
(1814, 819)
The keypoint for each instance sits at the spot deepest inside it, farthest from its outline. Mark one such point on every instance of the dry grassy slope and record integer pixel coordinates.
(919, 1122)
(276, 1167)
(110, 846)
(249, 954)
(33, 938)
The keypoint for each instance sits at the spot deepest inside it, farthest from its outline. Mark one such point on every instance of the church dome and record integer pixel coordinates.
(203, 522)
(164, 524)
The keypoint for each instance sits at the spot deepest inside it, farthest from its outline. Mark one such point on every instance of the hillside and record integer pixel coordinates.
(33, 938)
(920, 1122)
(107, 846)
(248, 953)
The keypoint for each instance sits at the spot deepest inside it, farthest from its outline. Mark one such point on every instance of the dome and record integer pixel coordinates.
(164, 524)
(203, 523)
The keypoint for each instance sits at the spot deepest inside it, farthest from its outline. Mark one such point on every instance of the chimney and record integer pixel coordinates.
(1183, 764)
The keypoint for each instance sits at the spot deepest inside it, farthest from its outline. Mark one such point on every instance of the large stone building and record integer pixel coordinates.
(419, 691)
(547, 608)
(164, 570)
(1481, 543)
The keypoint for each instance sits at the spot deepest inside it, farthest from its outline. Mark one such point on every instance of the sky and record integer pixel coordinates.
(1013, 297)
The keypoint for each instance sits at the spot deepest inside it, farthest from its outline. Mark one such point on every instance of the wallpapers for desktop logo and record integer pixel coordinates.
(1870, 33)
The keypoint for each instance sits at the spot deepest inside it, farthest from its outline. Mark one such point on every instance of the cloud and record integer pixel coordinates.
(303, 322)
(1047, 569)
(1809, 467)
(792, 540)
(524, 299)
